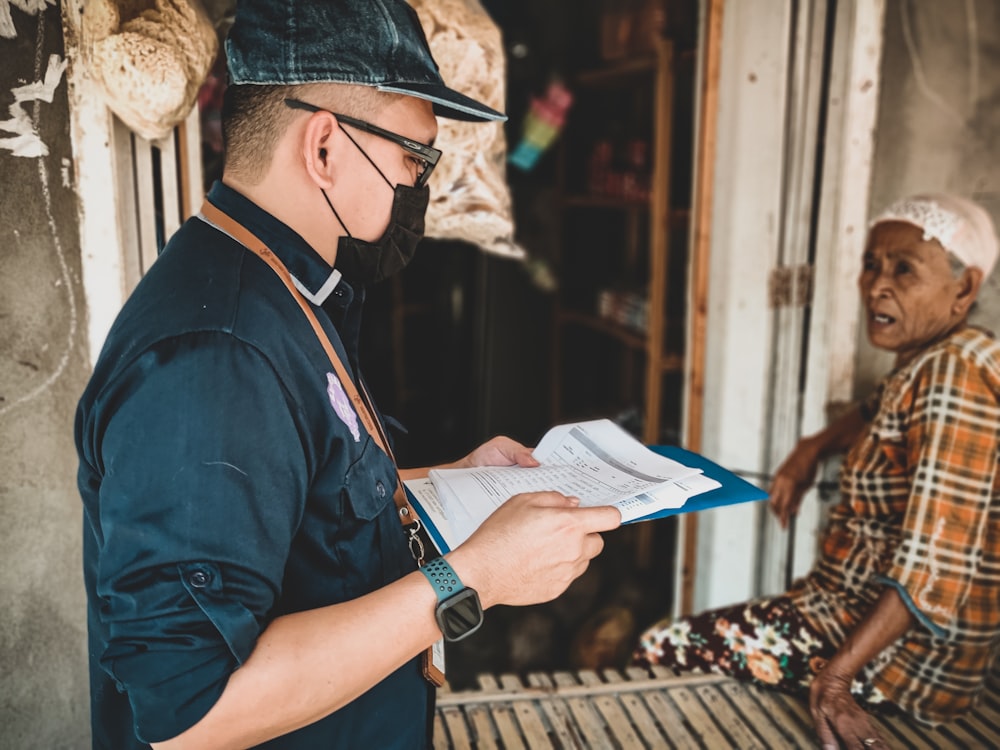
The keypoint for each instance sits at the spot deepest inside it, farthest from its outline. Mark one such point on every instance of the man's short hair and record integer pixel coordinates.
(254, 117)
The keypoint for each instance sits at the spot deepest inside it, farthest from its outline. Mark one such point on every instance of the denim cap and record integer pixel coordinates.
(376, 43)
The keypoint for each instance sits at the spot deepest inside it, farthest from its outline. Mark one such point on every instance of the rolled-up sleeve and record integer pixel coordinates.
(952, 449)
(204, 480)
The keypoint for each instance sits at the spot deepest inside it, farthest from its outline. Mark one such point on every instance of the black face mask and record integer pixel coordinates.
(365, 263)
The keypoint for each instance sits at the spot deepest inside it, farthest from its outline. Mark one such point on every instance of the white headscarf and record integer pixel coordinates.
(962, 227)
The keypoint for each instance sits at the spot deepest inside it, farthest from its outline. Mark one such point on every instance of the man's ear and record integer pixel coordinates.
(968, 290)
(318, 148)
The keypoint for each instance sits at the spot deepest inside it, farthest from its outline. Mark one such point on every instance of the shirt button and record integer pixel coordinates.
(199, 579)
(380, 488)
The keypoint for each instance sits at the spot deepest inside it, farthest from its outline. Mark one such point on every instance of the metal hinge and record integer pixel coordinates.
(790, 286)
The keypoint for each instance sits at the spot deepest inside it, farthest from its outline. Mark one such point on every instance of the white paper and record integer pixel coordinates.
(596, 461)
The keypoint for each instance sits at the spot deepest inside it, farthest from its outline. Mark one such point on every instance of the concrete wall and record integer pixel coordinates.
(939, 121)
(43, 369)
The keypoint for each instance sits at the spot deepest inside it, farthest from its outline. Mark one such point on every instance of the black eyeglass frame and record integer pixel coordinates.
(428, 154)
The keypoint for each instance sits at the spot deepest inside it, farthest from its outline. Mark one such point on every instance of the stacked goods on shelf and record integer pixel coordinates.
(626, 308)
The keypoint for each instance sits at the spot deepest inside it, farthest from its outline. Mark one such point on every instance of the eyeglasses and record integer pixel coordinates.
(425, 156)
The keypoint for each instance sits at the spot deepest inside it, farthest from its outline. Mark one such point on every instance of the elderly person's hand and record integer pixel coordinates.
(835, 713)
(795, 475)
(798, 472)
(837, 716)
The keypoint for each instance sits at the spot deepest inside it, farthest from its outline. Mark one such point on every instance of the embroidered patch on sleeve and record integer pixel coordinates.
(342, 405)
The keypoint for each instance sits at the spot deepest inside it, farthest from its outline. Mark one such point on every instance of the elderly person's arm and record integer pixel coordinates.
(835, 713)
(951, 448)
(798, 472)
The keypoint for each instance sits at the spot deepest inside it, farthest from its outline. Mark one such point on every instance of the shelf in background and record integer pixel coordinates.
(672, 363)
(628, 336)
(679, 217)
(605, 201)
(621, 234)
(669, 362)
(615, 71)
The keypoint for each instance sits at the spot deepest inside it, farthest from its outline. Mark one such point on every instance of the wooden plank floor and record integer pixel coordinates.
(586, 710)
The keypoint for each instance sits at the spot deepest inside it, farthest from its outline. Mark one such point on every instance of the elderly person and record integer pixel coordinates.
(902, 607)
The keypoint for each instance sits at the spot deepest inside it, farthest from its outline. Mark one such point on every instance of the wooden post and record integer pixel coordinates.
(659, 253)
(698, 287)
(189, 167)
(659, 239)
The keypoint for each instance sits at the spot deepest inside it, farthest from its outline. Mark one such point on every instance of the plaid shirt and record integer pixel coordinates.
(920, 511)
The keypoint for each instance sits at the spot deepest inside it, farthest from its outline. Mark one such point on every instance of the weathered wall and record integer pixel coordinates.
(43, 689)
(939, 120)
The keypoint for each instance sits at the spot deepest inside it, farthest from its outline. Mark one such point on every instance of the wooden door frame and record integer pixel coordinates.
(720, 551)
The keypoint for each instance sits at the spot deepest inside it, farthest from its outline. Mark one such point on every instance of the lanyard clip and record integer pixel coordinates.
(414, 541)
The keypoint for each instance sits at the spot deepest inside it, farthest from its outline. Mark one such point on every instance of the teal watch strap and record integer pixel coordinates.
(458, 612)
(443, 578)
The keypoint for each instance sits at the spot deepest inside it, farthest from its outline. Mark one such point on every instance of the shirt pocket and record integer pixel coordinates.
(369, 483)
(889, 441)
(876, 464)
(373, 538)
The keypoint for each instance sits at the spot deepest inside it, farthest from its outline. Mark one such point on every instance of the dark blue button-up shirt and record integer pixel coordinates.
(221, 488)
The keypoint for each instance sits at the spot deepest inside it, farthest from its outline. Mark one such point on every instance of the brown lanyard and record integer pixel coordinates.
(362, 405)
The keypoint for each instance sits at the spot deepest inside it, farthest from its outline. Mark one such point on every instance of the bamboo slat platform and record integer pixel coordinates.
(586, 710)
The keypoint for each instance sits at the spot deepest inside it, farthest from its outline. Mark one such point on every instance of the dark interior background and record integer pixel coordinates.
(459, 347)
(478, 338)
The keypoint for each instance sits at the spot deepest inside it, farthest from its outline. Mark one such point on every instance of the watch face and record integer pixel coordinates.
(460, 615)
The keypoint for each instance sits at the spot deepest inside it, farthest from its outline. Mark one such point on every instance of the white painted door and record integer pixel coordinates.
(797, 101)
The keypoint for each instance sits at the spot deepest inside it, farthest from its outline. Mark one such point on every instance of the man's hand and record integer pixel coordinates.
(795, 475)
(837, 715)
(532, 548)
(498, 451)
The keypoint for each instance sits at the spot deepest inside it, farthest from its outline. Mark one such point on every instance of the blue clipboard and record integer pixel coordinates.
(733, 490)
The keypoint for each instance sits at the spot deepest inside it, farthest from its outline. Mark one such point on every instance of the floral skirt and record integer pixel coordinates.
(765, 641)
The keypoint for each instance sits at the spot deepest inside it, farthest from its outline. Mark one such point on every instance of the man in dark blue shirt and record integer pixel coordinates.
(246, 560)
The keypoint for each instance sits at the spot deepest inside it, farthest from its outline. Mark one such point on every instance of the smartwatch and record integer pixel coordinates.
(458, 612)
